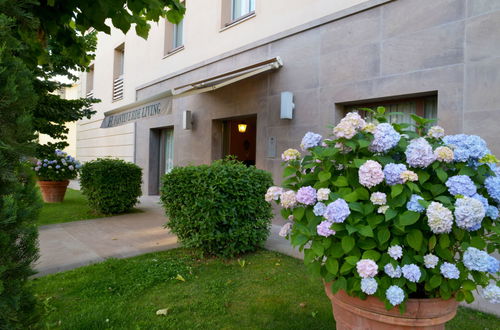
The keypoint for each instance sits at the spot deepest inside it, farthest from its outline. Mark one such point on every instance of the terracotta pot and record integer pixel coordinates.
(354, 313)
(53, 191)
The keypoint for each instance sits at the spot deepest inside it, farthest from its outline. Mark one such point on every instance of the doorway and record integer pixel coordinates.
(161, 157)
(240, 139)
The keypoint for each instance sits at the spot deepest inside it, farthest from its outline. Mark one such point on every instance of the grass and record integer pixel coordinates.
(73, 208)
(264, 290)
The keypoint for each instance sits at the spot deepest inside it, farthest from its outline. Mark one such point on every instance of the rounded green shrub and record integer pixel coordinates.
(218, 208)
(111, 185)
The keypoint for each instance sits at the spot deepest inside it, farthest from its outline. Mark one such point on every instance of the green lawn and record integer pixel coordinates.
(265, 290)
(73, 208)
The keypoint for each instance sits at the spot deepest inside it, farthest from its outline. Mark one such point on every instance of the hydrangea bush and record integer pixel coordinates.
(386, 210)
(61, 167)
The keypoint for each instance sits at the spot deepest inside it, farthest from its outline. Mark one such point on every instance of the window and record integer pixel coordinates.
(167, 150)
(241, 8)
(89, 88)
(174, 37)
(423, 106)
(236, 10)
(118, 72)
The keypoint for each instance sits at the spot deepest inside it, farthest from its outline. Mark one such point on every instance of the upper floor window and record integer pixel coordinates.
(236, 10)
(421, 106)
(89, 88)
(118, 72)
(174, 37)
(241, 8)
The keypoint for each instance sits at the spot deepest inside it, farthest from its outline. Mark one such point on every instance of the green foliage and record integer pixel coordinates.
(111, 185)
(369, 231)
(18, 243)
(218, 208)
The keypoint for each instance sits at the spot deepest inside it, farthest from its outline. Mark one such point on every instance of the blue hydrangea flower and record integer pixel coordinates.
(319, 209)
(492, 294)
(414, 205)
(430, 260)
(449, 270)
(323, 229)
(411, 272)
(482, 199)
(392, 272)
(475, 259)
(469, 213)
(306, 195)
(466, 147)
(392, 173)
(385, 138)
(369, 285)
(337, 211)
(492, 212)
(310, 140)
(395, 252)
(461, 185)
(492, 185)
(493, 265)
(419, 153)
(395, 295)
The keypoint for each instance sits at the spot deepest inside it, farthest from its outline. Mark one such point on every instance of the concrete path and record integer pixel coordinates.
(70, 245)
(74, 244)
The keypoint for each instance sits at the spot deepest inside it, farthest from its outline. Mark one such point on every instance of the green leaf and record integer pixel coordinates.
(359, 162)
(352, 260)
(444, 241)
(390, 213)
(288, 171)
(441, 174)
(362, 193)
(339, 284)
(347, 243)
(414, 239)
(478, 242)
(299, 240)
(324, 176)
(363, 143)
(352, 197)
(366, 231)
(423, 177)
(409, 218)
(437, 189)
(366, 244)
(340, 182)
(332, 265)
(346, 267)
(396, 190)
(371, 254)
(298, 213)
(435, 281)
(318, 248)
(468, 285)
(350, 229)
(336, 251)
(309, 256)
(383, 235)
(432, 242)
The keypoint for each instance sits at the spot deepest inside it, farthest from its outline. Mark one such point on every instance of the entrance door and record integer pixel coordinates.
(239, 139)
(166, 150)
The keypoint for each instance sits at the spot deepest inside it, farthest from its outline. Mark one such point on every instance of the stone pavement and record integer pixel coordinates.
(74, 244)
(70, 245)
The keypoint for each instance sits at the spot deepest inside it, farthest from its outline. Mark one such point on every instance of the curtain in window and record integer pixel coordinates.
(242, 7)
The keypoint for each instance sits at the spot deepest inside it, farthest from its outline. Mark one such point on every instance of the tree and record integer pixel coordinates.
(40, 39)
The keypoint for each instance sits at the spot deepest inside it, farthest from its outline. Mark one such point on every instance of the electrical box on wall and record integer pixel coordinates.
(187, 122)
(271, 147)
(287, 105)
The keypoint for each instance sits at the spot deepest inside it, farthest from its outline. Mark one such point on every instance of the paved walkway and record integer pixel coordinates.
(74, 244)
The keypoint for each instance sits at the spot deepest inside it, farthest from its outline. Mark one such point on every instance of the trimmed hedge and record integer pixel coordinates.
(111, 185)
(218, 208)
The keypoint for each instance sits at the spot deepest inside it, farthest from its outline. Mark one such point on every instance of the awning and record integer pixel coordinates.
(161, 104)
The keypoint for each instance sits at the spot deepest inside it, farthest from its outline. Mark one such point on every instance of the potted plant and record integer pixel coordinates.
(394, 215)
(54, 175)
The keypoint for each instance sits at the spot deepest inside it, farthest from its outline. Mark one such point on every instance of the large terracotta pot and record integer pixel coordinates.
(354, 313)
(53, 191)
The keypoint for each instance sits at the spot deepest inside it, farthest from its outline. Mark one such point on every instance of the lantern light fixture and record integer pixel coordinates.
(242, 128)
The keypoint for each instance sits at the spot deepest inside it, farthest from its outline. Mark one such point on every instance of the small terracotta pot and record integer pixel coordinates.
(53, 191)
(354, 313)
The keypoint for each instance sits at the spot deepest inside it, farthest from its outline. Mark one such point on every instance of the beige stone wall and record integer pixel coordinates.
(203, 39)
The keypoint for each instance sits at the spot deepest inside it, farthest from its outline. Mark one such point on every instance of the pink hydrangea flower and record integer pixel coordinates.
(367, 268)
(370, 174)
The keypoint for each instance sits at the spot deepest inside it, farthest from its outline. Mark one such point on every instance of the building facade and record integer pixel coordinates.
(283, 68)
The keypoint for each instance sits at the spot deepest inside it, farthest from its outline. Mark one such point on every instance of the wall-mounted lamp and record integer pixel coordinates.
(187, 120)
(242, 128)
(287, 105)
